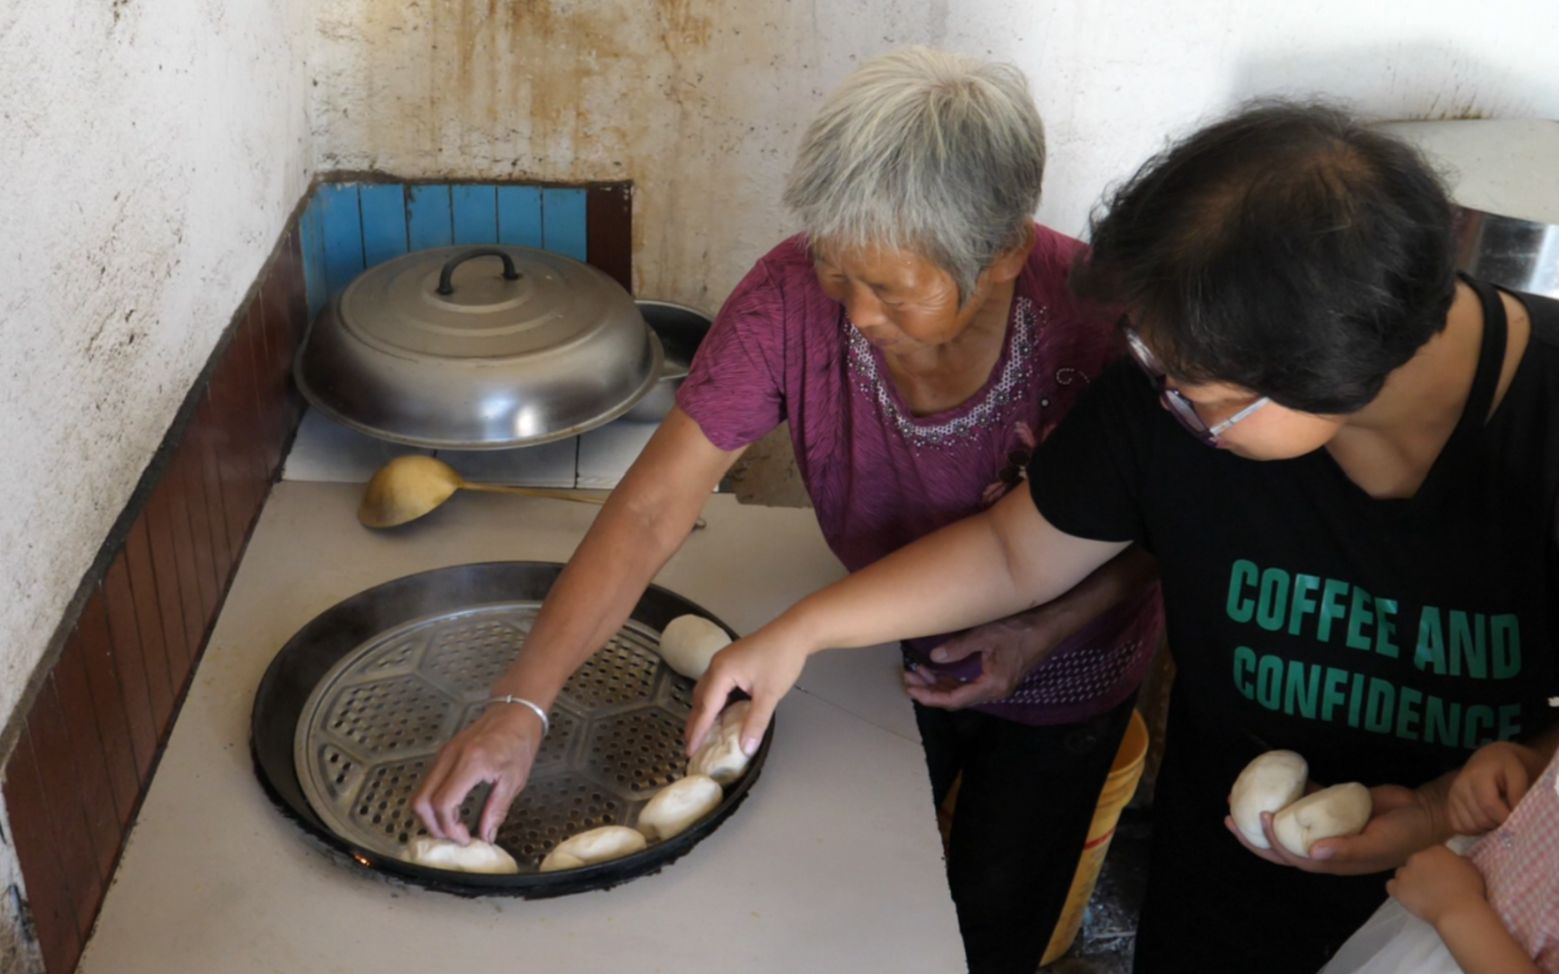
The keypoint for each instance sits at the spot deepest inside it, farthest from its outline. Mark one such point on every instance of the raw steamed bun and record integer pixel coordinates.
(597, 845)
(689, 642)
(1330, 812)
(679, 805)
(478, 857)
(721, 757)
(1270, 783)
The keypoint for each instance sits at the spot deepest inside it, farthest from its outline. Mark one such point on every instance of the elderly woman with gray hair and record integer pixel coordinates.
(919, 337)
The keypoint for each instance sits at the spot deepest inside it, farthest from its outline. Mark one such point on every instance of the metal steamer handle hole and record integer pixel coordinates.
(354, 708)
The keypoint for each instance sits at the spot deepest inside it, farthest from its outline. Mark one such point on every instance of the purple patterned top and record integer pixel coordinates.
(880, 476)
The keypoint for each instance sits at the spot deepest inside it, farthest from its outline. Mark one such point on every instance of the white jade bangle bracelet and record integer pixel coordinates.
(534, 708)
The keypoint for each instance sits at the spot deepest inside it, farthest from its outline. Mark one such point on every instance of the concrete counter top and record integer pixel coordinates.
(833, 863)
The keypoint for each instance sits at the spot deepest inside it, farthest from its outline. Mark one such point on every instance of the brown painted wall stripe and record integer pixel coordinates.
(187, 460)
(48, 894)
(276, 324)
(205, 432)
(165, 570)
(148, 619)
(265, 448)
(89, 764)
(59, 768)
(229, 403)
(170, 502)
(97, 654)
(609, 231)
(281, 336)
(268, 409)
(130, 665)
(246, 431)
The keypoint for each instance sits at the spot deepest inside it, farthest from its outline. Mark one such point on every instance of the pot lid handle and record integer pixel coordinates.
(444, 283)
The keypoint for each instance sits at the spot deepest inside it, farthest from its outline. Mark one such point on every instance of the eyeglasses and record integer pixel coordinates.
(1178, 405)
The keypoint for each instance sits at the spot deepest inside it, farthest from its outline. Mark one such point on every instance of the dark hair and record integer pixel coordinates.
(1287, 249)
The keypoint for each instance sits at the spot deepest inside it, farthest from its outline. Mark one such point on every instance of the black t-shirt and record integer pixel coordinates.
(1382, 639)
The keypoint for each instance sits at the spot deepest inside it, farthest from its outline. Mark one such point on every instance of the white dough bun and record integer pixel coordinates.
(477, 857)
(1270, 783)
(689, 642)
(1325, 814)
(678, 806)
(597, 845)
(721, 757)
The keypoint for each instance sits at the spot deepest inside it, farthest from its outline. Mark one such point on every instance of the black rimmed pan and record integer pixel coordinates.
(353, 708)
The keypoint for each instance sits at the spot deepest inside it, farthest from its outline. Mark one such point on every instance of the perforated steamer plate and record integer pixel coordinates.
(373, 719)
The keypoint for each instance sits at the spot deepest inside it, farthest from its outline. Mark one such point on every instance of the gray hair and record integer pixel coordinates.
(919, 150)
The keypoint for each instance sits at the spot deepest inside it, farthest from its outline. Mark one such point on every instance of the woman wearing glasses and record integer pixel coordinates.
(1356, 541)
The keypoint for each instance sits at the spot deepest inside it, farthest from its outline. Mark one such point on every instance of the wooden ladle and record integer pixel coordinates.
(408, 487)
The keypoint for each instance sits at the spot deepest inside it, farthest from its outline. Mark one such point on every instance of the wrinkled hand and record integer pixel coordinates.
(1489, 785)
(1435, 883)
(497, 749)
(1402, 821)
(1008, 650)
(766, 665)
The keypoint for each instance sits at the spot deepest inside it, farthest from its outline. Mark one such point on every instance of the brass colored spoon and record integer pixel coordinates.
(408, 487)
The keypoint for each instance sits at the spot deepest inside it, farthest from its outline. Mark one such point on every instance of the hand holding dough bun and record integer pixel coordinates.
(477, 857)
(689, 642)
(597, 845)
(1330, 812)
(676, 807)
(1273, 781)
(722, 757)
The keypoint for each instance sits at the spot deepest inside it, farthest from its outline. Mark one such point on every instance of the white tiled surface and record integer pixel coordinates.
(328, 452)
(547, 465)
(606, 453)
(833, 864)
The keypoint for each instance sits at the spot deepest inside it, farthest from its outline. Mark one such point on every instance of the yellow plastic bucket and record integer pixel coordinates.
(1125, 772)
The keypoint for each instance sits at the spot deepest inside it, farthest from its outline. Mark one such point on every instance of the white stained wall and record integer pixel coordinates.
(701, 102)
(151, 151)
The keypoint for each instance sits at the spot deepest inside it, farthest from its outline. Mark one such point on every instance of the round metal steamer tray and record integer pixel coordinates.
(353, 709)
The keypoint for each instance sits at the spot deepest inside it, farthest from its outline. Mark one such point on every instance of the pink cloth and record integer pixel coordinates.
(880, 477)
(1520, 866)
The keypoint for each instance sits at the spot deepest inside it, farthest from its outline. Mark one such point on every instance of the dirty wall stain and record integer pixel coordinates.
(690, 99)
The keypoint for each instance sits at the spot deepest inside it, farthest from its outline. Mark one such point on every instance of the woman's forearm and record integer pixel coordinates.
(1123, 578)
(592, 599)
(989, 566)
(642, 525)
(1478, 940)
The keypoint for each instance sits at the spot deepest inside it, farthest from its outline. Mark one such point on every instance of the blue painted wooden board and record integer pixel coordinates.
(313, 247)
(563, 222)
(519, 215)
(475, 210)
(428, 218)
(342, 233)
(346, 227)
(384, 221)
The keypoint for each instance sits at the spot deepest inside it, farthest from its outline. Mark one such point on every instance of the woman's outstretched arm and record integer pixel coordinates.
(994, 564)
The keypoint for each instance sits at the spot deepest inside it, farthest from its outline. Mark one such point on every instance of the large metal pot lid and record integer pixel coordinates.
(479, 348)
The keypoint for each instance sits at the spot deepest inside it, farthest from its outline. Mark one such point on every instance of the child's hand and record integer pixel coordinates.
(1489, 785)
(1436, 883)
